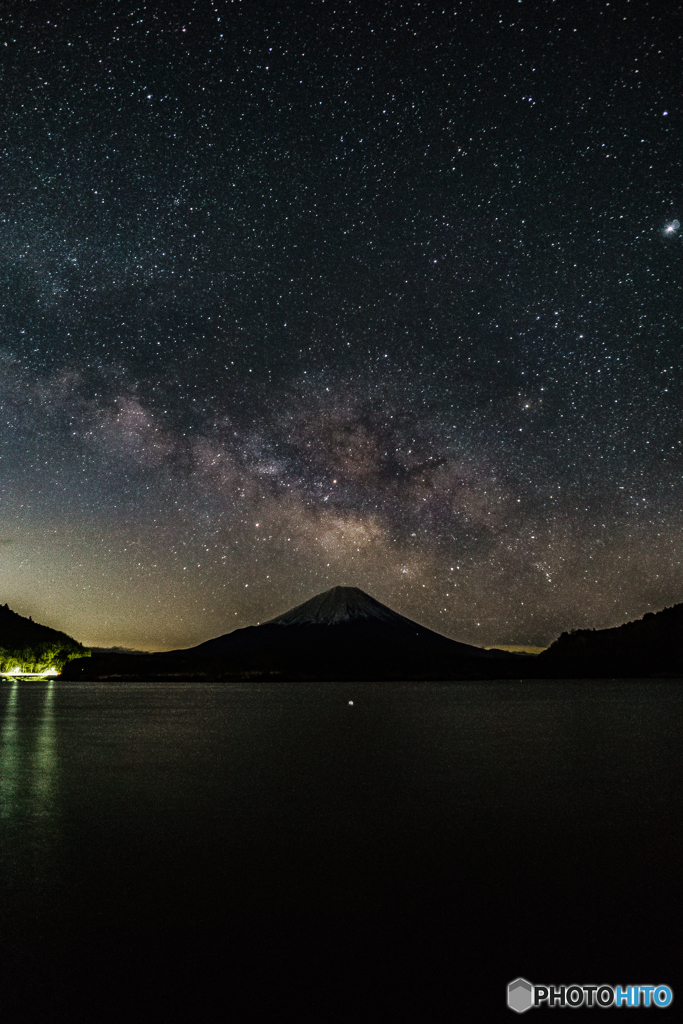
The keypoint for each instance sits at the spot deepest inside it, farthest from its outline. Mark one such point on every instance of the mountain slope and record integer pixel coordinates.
(26, 646)
(647, 646)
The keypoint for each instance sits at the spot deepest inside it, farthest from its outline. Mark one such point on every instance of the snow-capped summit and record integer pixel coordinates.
(339, 604)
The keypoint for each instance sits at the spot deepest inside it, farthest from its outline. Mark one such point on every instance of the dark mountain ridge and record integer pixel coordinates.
(26, 646)
(647, 646)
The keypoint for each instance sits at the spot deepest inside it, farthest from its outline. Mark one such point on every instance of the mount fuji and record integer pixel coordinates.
(340, 604)
(342, 634)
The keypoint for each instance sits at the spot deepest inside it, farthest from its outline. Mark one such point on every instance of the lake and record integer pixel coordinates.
(257, 852)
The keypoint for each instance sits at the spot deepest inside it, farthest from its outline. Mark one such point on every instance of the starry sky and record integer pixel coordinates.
(335, 293)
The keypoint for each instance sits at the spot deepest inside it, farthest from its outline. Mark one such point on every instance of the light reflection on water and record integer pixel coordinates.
(29, 812)
(477, 824)
(9, 755)
(45, 757)
(28, 755)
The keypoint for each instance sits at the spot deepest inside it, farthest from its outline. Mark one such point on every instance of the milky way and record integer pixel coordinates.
(385, 296)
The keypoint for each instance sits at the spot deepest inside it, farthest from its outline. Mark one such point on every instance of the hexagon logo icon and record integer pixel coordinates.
(520, 995)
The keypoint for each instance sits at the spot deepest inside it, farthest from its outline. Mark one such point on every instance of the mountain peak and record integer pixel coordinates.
(339, 604)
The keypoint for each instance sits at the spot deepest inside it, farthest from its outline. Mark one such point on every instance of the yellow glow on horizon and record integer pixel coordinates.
(516, 648)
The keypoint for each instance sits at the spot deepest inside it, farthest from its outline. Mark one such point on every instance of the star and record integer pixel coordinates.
(204, 312)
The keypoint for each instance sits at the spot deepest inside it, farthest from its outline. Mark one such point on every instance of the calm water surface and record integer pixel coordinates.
(269, 851)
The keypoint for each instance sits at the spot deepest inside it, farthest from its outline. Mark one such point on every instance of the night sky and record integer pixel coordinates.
(382, 295)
